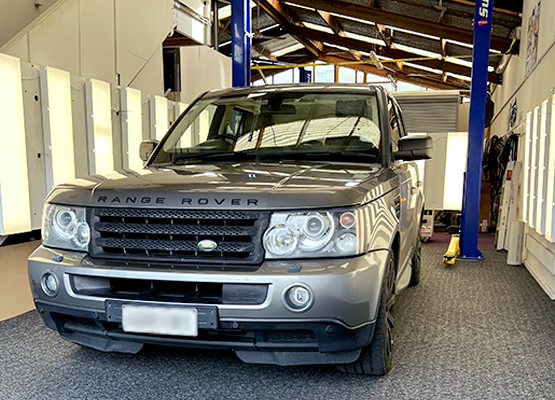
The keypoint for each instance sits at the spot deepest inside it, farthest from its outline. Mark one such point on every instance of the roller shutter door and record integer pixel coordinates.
(429, 112)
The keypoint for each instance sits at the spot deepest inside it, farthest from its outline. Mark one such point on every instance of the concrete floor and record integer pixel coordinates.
(475, 330)
(15, 293)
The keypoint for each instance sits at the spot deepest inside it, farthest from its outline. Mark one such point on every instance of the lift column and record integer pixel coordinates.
(241, 42)
(476, 127)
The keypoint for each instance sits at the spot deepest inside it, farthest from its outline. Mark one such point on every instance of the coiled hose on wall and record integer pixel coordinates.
(498, 152)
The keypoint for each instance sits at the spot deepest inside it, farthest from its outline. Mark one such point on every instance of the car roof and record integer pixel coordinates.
(297, 87)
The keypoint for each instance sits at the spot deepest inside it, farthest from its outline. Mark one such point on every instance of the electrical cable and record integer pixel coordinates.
(497, 154)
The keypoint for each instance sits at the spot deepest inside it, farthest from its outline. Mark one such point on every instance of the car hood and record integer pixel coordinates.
(249, 185)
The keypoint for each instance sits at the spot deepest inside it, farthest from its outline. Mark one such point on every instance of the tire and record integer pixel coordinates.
(416, 263)
(375, 359)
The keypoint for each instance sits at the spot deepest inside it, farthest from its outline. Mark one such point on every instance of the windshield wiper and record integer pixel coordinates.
(205, 155)
(330, 155)
(287, 155)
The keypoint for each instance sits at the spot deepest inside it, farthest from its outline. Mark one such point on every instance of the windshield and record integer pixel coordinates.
(262, 123)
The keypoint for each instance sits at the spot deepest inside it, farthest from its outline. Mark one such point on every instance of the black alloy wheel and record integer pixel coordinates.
(375, 359)
(416, 263)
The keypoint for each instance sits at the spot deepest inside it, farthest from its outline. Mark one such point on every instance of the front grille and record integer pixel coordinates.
(174, 235)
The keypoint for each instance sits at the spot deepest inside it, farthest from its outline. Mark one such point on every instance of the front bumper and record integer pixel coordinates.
(340, 321)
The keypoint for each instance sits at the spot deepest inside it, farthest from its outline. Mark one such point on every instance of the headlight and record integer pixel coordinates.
(314, 234)
(65, 227)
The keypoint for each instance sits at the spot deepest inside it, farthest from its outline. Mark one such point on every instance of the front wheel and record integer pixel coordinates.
(375, 359)
(416, 263)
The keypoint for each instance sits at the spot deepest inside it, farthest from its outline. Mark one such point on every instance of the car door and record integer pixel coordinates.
(407, 180)
(415, 198)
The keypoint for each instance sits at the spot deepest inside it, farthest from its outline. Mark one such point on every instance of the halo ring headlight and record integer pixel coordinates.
(315, 234)
(65, 227)
(280, 240)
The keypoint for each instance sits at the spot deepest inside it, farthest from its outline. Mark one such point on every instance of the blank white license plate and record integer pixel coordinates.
(159, 320)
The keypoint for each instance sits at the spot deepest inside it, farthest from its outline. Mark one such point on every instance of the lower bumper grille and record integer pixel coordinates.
(290, 336)
(168, 291)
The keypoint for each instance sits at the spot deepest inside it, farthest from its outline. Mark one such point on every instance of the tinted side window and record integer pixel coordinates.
(394, 125)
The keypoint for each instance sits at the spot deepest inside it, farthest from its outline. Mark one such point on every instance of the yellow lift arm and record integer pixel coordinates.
(452, 253)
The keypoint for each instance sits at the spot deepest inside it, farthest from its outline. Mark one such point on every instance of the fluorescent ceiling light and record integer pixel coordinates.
(334, 46)
(416, 51)
(225, 12)
(461, 77)
(424, 68)
(367, 39)
(413, 32)
(467, 45)
(320, 28)
(287, 50)
(459, 61)
(362, 21)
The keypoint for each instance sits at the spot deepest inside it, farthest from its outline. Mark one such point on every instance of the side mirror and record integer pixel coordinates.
(147, 148)
(416, 147)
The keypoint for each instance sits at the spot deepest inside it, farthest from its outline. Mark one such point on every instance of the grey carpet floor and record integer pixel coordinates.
(479, 330)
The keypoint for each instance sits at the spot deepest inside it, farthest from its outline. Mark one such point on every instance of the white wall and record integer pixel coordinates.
(203, 69)
(46, 113)
(117, 41)
(530, 91)
(17, 14)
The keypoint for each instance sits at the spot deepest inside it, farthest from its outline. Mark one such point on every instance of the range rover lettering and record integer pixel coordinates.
(278, 222)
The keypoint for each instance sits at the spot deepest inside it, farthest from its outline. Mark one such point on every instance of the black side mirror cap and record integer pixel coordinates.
(415, 147)
(147, 148)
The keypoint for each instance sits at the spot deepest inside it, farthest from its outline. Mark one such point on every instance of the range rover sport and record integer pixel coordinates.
(278, 222)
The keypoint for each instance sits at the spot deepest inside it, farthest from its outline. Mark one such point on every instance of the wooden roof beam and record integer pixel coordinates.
(411, 75)
(280, 13)
(383, 17)
(337, 29)
(356, 44)
(500, 17)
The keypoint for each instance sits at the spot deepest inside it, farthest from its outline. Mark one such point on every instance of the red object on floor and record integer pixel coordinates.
(442, 239)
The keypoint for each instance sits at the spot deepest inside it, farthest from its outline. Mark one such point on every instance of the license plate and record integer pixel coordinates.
(159, 320)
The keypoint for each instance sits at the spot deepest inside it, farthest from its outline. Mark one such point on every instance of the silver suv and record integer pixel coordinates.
(279, 222)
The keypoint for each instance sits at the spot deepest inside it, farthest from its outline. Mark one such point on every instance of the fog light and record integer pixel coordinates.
(49, 284)
(298, 298)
